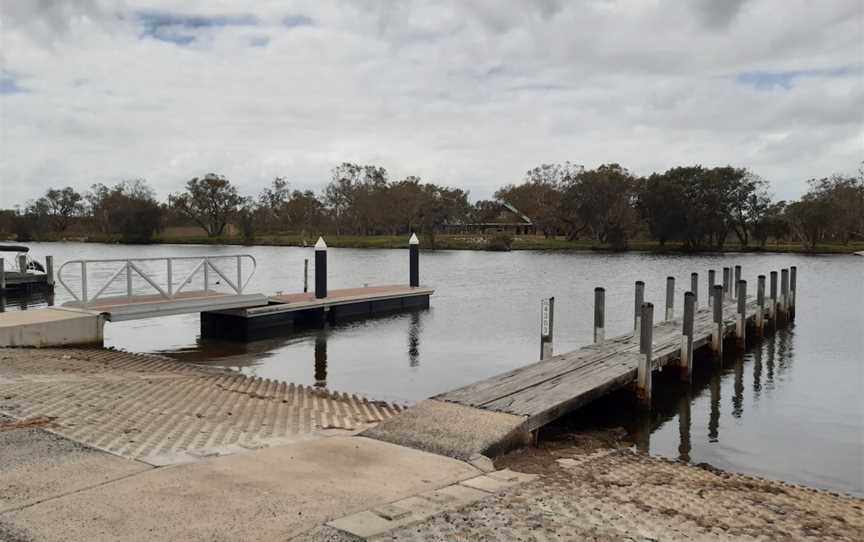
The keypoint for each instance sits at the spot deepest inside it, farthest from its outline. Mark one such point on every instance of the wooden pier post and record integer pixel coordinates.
(711, 280)
(737, 279)
(547, 323)
(687, 335)
(760, 301)
(772, 307)
(599, 315)
(726, 277)
(793, 290)
(49, 270)
(2, 275)
(22, 263)
(414, 261)
(784, 294)
(670, 297)
(637, 305)
(643, 380)
(717, 336)
(320, 269)
(741, 317)
(694, 287)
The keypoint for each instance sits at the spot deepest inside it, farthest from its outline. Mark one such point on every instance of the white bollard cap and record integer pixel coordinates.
(414, 240)
(320, 245)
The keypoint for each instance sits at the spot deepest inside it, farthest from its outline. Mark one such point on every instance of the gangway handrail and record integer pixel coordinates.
(169, 292)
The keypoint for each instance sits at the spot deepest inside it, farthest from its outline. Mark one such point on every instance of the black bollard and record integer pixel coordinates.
(414, 261)
(320, 269)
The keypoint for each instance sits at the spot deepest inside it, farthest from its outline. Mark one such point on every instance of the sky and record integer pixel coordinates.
(470, 93)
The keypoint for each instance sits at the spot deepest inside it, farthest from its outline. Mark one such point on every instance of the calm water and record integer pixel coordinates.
(790, 408)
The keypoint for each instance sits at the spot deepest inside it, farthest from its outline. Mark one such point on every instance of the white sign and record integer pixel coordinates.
(544, 317)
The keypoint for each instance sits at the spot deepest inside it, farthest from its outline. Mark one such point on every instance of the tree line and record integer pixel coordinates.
(698, 207)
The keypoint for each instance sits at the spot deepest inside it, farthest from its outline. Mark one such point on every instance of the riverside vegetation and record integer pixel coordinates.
(682, 209)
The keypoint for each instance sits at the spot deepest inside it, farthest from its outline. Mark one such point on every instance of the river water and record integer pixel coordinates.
(790, 407)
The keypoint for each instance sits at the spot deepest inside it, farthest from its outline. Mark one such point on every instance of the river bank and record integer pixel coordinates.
(479, 242)
(84, 434)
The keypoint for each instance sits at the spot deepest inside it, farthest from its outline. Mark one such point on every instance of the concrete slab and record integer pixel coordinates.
(274, 493)
(36, 465)
(453, 430)
(50, 327)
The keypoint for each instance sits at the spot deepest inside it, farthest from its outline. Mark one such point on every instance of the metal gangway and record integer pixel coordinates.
(148, 287)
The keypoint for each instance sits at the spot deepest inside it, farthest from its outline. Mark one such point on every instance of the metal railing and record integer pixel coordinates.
(167, 288)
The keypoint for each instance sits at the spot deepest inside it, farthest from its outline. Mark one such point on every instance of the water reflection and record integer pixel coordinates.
(26, 300)
(684, 426)
(414, 330)
(321, 359)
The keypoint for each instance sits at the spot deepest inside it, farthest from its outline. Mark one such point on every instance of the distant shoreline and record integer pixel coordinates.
(466, 242)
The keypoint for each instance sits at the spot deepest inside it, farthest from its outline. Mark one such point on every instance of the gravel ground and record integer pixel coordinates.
(594, 487)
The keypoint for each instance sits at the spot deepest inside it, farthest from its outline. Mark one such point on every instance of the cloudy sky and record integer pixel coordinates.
(470, 93)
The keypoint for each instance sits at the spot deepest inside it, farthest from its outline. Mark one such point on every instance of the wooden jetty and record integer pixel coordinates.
(544, 391)
(23, 280)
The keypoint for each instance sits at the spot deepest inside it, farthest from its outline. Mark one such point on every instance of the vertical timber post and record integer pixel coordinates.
(737, 280)
(726, 275)
(711, 278)
(773, 305)
(687, 335)
(637, 305)
(547, 326)
(694, 287)
(305, 275)
(320, 269)
(793, 290)
(414, 261)
(760, 302)
(643, 374)
(49, 270)
(2, 275)
(670, 297)
(599, 315)
(22, 263)
(741, 318)
(784, 294)
(717, 335)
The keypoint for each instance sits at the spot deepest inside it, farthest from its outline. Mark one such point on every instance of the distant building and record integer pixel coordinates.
(508, 220)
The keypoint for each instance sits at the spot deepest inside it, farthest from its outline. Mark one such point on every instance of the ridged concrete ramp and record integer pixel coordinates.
(162, 411)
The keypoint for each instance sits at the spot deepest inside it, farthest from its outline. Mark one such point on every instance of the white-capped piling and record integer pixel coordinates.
(599, 315)
(414, 261)
(49, 270)
(670, 297)
(717, 335)
(793, 290)
(646, 345)
(760, 302)
(547, 328)
(639, 298)
(320, 269)
(772, 304)
(686, 359)
(741, 316)
(694, 287)
(711, 280)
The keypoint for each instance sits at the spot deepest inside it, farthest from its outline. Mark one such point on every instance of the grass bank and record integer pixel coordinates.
(524, 242)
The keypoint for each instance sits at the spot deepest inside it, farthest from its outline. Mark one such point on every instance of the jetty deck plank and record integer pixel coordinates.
(546, 390)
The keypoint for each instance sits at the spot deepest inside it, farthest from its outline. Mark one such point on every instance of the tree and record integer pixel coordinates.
(539, 196)
(439, 206)
(771, 224)
(58, 206)
(602, 202)
(128, 209)
(662, 204)
(748, 204)
(209, 201)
